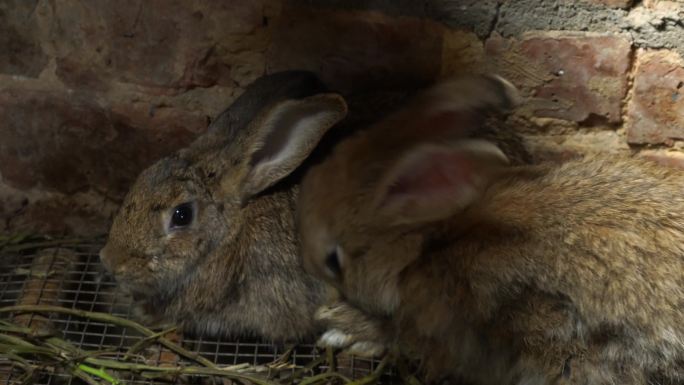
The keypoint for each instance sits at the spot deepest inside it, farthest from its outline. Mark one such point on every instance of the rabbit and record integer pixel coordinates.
(495, 273)
(235, 267)
(205, 237)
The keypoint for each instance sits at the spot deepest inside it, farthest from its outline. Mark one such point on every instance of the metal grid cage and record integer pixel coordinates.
(68, 274)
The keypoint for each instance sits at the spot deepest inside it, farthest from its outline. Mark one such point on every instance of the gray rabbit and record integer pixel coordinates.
(205, 238)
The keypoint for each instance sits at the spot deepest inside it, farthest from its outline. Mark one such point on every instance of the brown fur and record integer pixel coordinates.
(555, 274)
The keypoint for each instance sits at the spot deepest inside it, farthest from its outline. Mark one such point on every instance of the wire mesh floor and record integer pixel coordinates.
(68, 274)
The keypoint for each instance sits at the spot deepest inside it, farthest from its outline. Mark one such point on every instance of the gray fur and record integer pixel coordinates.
(236, 270)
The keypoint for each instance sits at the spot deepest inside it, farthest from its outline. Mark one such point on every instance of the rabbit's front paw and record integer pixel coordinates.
(336, 338)
(352, 330)
(367, 349)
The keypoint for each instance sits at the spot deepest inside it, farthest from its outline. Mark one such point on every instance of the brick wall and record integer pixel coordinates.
(92, 92)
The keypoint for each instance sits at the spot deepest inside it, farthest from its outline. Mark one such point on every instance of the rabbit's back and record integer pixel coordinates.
(603, 235)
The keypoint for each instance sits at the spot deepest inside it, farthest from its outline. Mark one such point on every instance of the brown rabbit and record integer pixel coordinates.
(205, 238)
(500, 274)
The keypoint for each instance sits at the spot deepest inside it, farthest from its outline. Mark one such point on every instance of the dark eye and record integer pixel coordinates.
(333, 262)
(182, 215)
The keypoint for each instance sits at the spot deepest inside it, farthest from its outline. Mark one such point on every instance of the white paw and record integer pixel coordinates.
(366, 349)
(335, 338)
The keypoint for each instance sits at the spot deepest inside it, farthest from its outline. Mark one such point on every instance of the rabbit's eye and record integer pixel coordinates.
(182, 215)
(333, 262)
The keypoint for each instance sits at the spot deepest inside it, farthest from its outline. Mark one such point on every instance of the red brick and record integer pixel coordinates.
(655, 113)
(571, 76)
(356, 50)
(664, 157)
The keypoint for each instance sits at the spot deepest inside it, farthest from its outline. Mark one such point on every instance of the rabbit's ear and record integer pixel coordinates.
(263, 92)
(233, 126)
(486, 92)
(285, 136)
(457, 107)
(432, 182)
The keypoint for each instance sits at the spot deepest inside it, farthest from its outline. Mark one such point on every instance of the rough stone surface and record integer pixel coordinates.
(576, 77)
(519, 16)
(21, 50)
(66, 162)
(156, 44)
(67, 144)
(653, 24)
(85, 214)
(658, 25)
(656, 110)
(93, 91)
(478, 16)
(612, 3)
(355, 50)
(390, 7)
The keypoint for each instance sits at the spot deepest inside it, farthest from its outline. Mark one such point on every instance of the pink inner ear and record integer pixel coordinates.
(436, 174)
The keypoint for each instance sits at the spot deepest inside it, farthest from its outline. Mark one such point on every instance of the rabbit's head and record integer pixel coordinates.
(359, 210)
(202, 221)
(170, 218)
